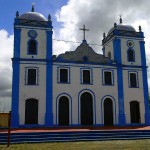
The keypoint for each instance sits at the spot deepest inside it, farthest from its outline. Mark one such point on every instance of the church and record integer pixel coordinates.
(80, 87)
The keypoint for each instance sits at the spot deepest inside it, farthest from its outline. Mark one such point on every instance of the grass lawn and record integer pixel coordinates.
(96, 145)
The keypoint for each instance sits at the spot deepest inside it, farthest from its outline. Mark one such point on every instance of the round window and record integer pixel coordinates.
(130, 43)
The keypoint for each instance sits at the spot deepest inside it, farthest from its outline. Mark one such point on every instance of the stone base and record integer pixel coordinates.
(49, 119)
(147, 119)
(14, 121)
(122, 120)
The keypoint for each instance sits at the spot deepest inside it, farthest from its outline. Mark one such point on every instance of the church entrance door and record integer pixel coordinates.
(31, 111)
(135, 112)
(86, 109)
(108, 112)
(63, 113)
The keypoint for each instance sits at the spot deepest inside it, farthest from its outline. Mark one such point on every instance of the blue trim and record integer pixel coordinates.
(35, 28)
(58, 74)
(15, 95)
(75, 64)
(15, 80)
(91, 75)
(128, 52)
(49, 81)
(114, 109)
(26, 75)
(117, 50)
(49, 44)
(94, 105)
(28, 51)
(118, 59)
(145, 83)
(137, 80)
(112, 77)
(70, 108)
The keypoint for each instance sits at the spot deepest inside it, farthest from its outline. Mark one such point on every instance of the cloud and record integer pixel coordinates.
(99, 16)
(6, 52)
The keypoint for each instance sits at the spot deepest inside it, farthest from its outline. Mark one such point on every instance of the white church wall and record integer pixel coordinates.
(41, 44)
(131, 94)
(109, 48)
(33, 91)
(75, 88)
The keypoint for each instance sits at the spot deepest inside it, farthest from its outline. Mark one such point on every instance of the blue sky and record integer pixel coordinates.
(9, 8)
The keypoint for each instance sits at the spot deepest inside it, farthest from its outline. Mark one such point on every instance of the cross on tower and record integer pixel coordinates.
(84, 29)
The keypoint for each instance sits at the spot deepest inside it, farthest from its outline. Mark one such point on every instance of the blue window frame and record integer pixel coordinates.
(63, 75)
(31, 76)
(131, 55)
(86, 76)
(108, 77)
(133, 79)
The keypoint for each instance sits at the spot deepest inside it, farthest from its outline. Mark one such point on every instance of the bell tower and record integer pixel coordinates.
(32, 70)
(125, 46)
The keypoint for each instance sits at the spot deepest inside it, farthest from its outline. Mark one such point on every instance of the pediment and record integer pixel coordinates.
(83, 53)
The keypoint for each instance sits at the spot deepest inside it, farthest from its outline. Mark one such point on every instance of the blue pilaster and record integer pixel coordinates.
(49, 82)
(15, 80)
(145, 83)
(118, 59)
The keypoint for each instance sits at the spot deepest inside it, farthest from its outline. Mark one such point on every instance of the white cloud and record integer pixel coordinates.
(6, 52)
(99, 16)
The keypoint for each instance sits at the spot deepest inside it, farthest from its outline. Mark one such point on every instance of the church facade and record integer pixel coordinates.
(80, 87)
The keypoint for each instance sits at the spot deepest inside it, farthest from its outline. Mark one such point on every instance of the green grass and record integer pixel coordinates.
(96, 145)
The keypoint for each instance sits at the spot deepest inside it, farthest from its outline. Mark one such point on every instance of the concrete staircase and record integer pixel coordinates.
(33, 137)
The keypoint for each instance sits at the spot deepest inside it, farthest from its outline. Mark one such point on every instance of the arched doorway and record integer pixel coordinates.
(86, 109)
(108, 112)
(63, 112)
(135, 112)
(31, 111)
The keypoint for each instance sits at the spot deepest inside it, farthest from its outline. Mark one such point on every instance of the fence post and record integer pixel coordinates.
(9, 128)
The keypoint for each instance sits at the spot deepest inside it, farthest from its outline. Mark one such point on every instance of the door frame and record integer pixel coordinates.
(57, 107)
(114, 109)
(94, 105)
(30, 99)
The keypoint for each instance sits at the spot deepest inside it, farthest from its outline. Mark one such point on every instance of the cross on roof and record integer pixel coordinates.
(84, 29)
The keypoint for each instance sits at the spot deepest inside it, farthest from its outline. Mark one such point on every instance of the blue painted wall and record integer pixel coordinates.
(145, 83)
(15, 79)
(49, 81)
(118, 59)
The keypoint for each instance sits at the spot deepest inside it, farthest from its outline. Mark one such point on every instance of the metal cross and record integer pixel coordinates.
(84, 29)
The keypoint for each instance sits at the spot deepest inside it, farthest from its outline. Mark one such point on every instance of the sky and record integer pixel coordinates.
(67, 17)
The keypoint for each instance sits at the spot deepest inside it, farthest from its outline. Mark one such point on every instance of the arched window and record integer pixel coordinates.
(131, 56)
(109, 55)
(86, 108)
(63, 111)
(32, 47)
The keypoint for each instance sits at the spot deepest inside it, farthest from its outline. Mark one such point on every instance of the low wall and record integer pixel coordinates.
(4, 119)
